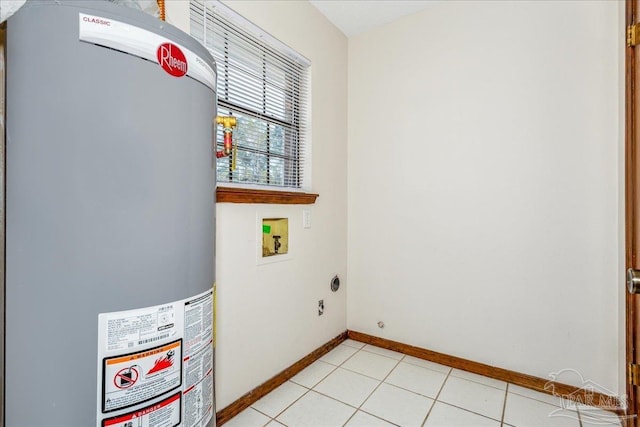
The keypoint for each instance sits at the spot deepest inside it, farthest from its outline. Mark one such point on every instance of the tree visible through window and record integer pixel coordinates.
(263, 84)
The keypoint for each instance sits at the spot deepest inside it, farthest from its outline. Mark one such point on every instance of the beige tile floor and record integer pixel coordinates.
(362, 385)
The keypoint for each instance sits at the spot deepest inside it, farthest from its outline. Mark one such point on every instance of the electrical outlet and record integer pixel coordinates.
(320, 307)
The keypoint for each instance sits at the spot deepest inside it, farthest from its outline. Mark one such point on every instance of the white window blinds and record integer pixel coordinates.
(262, 83)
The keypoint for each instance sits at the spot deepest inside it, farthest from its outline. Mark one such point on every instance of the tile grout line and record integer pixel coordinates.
(341, 363)
(376, 388)
(368, 413)
(360, 373)
(351, 406)
(469, 411)
(377, 417)
(260, 412)
(348, 358)
(341, 367)
(579, 415)
(474, 381)
(357, 350)
(419, 394)
(291, 404)
(399, 361)
(335, 367)
(379, 354)
(536, 399)
(304, 394)
(435, 399)
(460, 407)
(504, 404)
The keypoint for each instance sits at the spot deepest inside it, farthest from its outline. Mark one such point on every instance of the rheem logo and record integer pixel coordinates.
(172, 60)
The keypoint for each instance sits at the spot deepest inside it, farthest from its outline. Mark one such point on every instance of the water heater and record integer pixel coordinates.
(110, 213)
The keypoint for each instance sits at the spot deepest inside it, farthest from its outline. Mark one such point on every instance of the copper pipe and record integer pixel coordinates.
(228, 144)
(228, 123)
(162, 11)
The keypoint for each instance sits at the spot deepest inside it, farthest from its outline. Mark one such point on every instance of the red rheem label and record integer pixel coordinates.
(171, 59)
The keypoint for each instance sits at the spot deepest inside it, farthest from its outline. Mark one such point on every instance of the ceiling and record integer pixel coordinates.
(356, 16)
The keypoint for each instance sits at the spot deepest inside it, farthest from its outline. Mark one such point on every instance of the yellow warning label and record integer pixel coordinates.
(144, 354)
(138, 377)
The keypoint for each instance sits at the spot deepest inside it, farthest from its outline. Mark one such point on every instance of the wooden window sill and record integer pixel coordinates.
(246, 195)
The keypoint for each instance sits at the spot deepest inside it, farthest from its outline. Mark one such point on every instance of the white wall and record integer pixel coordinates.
(267, 314)
(483, 182)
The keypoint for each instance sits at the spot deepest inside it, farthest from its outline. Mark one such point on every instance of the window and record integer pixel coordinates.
(262, 83)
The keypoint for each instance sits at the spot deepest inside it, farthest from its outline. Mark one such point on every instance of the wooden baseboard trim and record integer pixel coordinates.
(524, 380)
(225, 414)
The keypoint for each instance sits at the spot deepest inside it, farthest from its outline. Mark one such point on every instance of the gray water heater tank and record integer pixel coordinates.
(110, 213)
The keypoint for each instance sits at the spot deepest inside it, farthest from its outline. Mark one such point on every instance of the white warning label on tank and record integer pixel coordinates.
(198, 393)
(147, 356)
(198, 329)
(139, 377)
(165, 413)
(198, 361)
(135, 328)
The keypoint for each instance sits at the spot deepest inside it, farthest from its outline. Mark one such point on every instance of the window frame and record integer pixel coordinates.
(257, 192)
